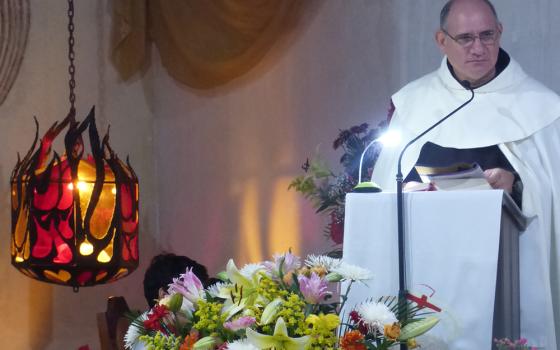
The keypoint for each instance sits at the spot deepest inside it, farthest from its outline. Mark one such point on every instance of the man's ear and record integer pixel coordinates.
(440, 40)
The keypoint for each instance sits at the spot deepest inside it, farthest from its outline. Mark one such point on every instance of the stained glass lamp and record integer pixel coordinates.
(74, 218)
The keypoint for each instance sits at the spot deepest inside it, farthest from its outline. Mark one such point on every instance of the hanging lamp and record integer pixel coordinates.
(74, 217)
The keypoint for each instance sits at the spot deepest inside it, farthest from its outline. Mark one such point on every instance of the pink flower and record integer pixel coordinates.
(240, 323)
(188, 285)
(313, 288)
(282, 262)
(506, 343)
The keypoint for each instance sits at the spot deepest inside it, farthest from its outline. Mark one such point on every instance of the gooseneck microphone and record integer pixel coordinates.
(400, 226)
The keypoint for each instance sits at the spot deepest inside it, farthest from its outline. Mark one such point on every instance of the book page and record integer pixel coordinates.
(459, 176)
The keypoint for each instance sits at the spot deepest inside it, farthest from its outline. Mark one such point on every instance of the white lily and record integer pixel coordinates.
(242, 291)
(242, 344)
(205, 343)
(173, 302)
(270, 311)
(280, 340)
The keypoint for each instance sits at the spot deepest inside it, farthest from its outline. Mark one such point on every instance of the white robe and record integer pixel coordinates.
(521, 116)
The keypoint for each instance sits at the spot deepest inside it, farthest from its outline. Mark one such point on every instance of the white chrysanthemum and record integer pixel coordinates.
(250, 269)
(217, 288)
(242, 344)
(375, 316)
(353, 272)
(324, 261)
(133, 332)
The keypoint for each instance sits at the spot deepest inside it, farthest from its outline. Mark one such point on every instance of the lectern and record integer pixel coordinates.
(462, 246)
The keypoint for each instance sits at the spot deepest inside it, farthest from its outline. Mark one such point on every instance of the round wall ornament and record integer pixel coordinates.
(15, 18)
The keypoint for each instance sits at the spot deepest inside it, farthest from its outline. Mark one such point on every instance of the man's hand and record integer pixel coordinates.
(500, 178)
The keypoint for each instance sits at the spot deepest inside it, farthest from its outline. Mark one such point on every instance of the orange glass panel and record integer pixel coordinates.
(14, 194)
(26, 250)
(21, 226)
(106, 254)
(86, 171)
(85, 189)
(122, 272)
(105, 208)
(101, 275)
(103, 213)
(62, 276)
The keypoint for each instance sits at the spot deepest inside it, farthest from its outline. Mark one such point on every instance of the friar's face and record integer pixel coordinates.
(471, 41)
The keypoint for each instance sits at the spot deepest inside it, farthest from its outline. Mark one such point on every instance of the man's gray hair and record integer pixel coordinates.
(447, 8)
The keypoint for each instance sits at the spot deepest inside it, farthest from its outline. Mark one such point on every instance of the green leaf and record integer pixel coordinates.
(417, 328)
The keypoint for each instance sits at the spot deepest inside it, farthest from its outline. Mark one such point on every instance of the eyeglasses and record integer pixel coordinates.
(487, 37)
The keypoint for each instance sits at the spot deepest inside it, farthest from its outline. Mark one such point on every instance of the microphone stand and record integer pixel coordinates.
(403, 291)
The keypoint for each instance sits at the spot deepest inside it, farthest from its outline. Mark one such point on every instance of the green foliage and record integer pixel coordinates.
(160, 341)
(326, 189)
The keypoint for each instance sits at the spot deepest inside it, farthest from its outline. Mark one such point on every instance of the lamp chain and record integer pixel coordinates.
(71, 56)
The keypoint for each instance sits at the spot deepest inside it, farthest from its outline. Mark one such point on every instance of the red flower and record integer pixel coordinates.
(336, 229)
(355, 317)
(153, 323)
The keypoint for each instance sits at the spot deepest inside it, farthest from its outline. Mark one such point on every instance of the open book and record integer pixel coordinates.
(460, 176)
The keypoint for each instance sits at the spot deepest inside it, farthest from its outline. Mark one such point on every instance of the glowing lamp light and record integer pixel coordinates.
(86, 248)
(390, 138)
(103, 257)
(74, 218)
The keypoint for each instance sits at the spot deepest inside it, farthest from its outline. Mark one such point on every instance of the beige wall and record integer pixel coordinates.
(214, 165)
(225, 157)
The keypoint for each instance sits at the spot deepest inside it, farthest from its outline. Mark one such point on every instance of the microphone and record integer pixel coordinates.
(467, 85)
(400, 226)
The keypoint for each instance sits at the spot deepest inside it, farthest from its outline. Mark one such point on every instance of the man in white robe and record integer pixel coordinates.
(510, 110)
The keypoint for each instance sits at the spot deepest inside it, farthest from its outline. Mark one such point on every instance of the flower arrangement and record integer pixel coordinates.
(327, 189)
(285, 303)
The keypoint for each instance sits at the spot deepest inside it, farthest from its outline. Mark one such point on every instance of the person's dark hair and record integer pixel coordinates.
(447, 8)
(163, 268)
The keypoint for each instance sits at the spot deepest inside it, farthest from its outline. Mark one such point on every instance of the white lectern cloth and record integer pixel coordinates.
(452, 241)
